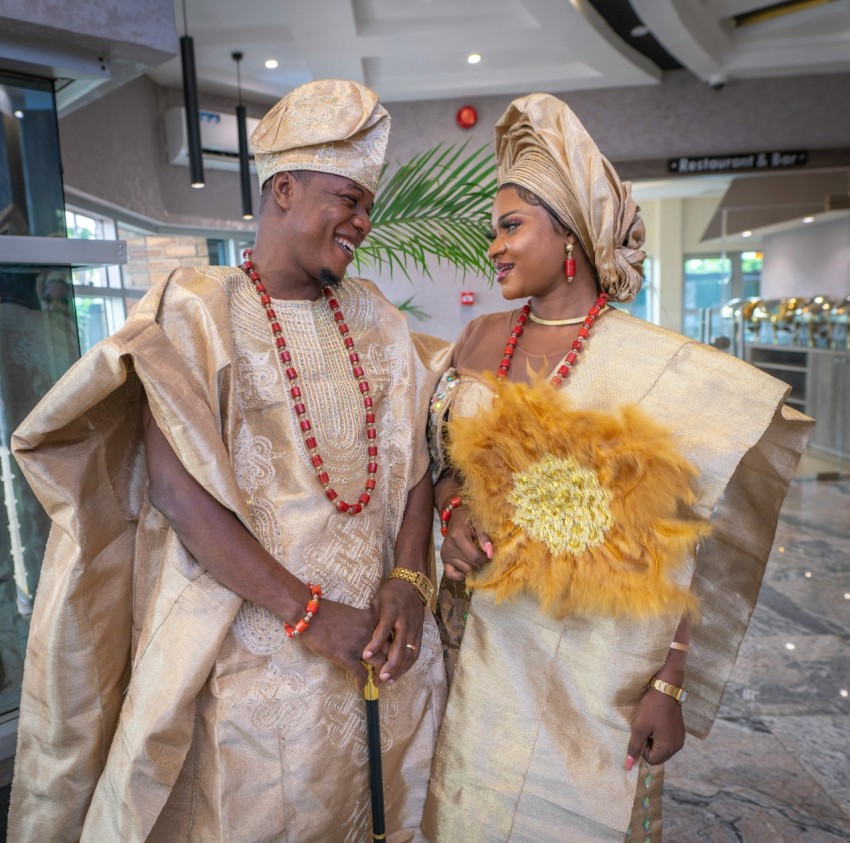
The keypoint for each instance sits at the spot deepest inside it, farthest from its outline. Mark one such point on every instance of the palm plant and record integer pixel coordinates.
(435, 206)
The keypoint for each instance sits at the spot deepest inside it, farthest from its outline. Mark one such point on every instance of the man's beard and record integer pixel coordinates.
(328, 279)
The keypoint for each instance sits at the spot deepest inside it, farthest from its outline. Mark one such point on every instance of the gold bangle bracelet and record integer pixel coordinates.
(678, 694)
(677, 646)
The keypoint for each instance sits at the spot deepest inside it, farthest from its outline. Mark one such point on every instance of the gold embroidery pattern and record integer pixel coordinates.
(257, 382)
(280, 701)
(258, 629)
(332, 396)
(371, 150)
(561, 504)
(396, 445)
(249, 329)
(388, 367)
(373, 145)
(347, 560)
(314, 110)
(359, 821)
(326, 155)
(346, 728)
(252, 462)
(266, 527)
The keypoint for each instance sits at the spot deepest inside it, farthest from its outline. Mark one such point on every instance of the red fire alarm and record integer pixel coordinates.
(467, 117)
(467, 297)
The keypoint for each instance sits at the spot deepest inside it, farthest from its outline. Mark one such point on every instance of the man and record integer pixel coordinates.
(283, 409)
(57, 295)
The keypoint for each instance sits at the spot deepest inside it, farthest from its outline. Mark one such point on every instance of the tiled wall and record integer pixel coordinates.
(151, 259)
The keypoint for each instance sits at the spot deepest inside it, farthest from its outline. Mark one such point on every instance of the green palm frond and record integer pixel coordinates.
(410, 307)
(437, 206)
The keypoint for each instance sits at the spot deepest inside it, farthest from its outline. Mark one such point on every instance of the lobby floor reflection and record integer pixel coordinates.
(775, 766)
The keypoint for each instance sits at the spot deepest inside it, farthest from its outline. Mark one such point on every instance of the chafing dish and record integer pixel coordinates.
(839, 323)
(811, 319)
(779, 314)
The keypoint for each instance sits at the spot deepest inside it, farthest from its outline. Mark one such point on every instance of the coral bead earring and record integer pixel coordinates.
(570, 264)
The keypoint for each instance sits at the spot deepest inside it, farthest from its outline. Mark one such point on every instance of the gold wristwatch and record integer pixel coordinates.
(424, 587)
(678, 694)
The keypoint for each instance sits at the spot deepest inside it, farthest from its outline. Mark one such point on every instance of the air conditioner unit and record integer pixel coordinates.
(219, 138)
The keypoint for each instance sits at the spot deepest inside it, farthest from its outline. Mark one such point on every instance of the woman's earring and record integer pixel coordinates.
(570, 264)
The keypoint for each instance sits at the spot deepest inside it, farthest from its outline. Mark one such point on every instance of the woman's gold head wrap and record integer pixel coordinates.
(330, 126)
(542, 146)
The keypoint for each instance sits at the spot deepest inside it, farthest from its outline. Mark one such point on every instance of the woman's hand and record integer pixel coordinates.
(658, 730)
(398, 633)
(464, 550)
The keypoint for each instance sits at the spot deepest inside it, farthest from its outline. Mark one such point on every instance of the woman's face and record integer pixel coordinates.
(527, 253)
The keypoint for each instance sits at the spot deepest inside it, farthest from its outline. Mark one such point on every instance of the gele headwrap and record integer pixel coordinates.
(542, 146)
(330, 126)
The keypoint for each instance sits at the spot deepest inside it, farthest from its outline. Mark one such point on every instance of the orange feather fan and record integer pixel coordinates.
(589, 512)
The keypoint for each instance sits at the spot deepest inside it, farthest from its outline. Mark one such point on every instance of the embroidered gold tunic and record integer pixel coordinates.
(539, 715)
(158, 705)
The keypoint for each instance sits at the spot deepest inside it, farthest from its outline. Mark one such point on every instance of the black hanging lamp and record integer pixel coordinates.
(190, 97)
(244, 163)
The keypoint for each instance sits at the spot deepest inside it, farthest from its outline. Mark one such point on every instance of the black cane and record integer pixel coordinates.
(373, 741)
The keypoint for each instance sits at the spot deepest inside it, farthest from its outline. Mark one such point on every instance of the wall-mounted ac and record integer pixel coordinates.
(219, 138)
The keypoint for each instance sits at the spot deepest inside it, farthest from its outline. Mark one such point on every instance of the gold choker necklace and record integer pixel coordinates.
(576, 321)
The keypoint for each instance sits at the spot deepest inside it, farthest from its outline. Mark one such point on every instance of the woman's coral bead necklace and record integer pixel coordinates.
(298, 399)
(575, 349)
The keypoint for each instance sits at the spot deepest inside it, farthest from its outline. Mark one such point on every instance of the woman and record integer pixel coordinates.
(574, 509)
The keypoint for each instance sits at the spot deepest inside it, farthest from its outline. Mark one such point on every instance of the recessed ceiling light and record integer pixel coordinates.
(790, 646)
(746, 234)
(271, 64)
(473, 58)
(808, 219)
(639, 31)
(19, 114)
(844, 693)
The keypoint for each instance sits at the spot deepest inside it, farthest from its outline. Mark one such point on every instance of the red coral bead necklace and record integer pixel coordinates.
(572, 355)
(297, 397)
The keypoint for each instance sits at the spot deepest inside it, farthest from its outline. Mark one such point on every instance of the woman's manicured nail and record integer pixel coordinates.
(630, 762)
(488, 549)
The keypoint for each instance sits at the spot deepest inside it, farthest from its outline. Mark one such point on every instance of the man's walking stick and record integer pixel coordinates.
(373, 740)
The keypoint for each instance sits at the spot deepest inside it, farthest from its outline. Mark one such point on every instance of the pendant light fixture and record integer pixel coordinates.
(242, 128)
(190, 98)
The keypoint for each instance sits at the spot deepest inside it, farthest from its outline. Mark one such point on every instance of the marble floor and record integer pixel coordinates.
(776, 766)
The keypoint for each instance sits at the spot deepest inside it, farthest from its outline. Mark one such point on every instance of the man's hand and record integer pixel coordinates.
(400, 614)
(339, 634)
(464, 550)
(658, 730)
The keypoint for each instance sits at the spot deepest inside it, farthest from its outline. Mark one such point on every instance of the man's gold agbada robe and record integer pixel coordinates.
(157, 705)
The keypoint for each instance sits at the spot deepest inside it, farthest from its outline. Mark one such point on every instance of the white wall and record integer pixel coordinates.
(697, 214)
(440, 299)
(809, 261)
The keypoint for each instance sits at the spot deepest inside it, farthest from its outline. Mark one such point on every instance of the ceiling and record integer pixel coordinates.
(417, 49)
(410, 50)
